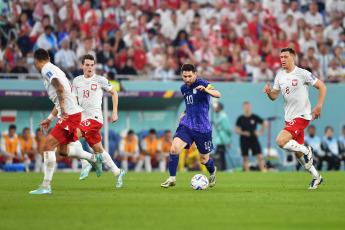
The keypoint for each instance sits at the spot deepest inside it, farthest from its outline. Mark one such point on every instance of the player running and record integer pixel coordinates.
(294, 83)
(65, 131)
(195, 125)
(88, 89)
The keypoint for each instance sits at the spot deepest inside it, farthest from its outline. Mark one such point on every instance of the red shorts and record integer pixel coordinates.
(90, 131)
(296, 128)
(66, 131)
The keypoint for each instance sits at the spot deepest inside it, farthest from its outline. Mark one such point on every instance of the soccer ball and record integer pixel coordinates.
(199, 182)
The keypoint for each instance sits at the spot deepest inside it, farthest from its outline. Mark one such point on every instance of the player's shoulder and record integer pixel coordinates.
(100, 79)
(200, 81)
(280, 74)
(78, 78)
(301, 72)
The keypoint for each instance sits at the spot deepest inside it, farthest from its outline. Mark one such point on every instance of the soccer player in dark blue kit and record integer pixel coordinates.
(195, 125)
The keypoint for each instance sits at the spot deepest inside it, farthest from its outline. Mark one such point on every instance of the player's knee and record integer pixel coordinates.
(174, 150)
(203, 161)
(63, 152)
(280, 142)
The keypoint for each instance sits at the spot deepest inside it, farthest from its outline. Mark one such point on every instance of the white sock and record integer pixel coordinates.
(148, 166)
(302, 161)
(293, 146)
(110, 163)
(313, 172)
(124, 165)
(139, 166)
(38, 162)
(76, 151)
(75, 163)
(84, 163)
(162, 164)
(49, 163)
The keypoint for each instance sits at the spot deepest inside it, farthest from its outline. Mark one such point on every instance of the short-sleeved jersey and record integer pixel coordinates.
(90, 94)
(248, 124)
(294, 87)
(49, 72)
(197, 107)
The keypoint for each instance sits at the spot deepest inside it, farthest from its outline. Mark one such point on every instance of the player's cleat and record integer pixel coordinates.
(41, 190)
(120, 178)
(213, 178)
(98, 164)
(168, 183)
(315, 182)
(85, 172)
(309, 158)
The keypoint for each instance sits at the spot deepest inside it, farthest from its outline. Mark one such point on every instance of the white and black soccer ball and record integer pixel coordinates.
(199, 182)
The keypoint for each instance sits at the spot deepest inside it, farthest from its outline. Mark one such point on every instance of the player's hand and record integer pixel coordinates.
(45, 124)
(114, 117)
(257, 133)
(201, 88)
(317, 112)
(64, 115)
(267, 88)
(246, 133)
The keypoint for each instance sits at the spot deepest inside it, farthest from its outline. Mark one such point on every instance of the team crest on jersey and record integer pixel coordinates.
(94, 87)
(294, 82)
(194, 91)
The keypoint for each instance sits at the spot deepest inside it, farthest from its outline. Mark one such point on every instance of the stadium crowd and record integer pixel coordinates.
(148, 150)
(228, 40)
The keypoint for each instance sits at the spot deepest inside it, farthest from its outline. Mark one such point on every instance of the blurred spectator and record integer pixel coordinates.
(310, 55)
(73, 39)
(104, 55)
(340, 41)
(23, 31)
(196, 39)
(132, 36)
(126, 25)
(316, 70)
(121, 60)
(324, 57)
(304, 64)
(289, 26)
(315, 142)
(205, 53)
(282, 14)
(341, 143)
(19, 68)
(128, 69)
(265, 44)
(109, 67)
(87, 27)
(223, 71)
(334, 9)
(133, 10)
(229, 41)
(170, 28)
(29, 148)
(273, 59)
(128, 150)
(11, 149)
(339, 56)
(108, 28)
(294, 10)
(218, 58)
(164, 12)
(182, 35)
(45, 7)
(117, 43)
(184, 53)
(238, 72)
(313, 17)
(84, 9)
(48, 41)
(252, 60)
(281, 41)
(11, 54)
(164, 72)
(272, 6)
(155, 22)
(334, 72)
(69, 15)
(245, 41)
(332, 32)
(183, 17)
(254, 27)
(66, 58)
(38, 28)
(155, 57)
(149, 147)
(85, 48)
(330, 147)
(114, 9)
(262, 73)
(139, 57)
(164, 146)
(150, 39)
(142, 28)
(170, 56)
(204, 69)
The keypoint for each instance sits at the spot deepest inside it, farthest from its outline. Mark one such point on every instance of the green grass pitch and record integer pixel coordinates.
(238, 201)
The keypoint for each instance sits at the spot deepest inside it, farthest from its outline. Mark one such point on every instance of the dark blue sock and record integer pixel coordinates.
(210, 166)
(173, 162)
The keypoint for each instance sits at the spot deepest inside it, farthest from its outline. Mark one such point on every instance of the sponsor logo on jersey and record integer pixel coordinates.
(312, 76)
(294, 82)
(94, 87)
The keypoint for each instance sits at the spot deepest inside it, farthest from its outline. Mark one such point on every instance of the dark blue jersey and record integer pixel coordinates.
(197, 107)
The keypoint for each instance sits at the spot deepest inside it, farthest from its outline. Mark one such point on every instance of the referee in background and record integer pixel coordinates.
(246, 128)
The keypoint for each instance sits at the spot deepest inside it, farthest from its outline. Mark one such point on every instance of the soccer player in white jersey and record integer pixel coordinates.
(294, 83)
(88, 89)
(64, 132)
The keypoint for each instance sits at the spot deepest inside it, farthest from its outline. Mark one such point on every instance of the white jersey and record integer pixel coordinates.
(294, 87)
(90, 94)
(49, 72)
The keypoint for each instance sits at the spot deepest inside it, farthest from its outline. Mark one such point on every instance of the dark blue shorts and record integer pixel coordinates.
(203, 141)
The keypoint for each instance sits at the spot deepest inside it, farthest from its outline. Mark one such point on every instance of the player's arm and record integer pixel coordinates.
(271, 93)
(242, 133)
(262, 130)
(115, 98)
(209, 90)
(183, 114)
(3, 148)
(46, 123)
(322, 94)
(60, 92)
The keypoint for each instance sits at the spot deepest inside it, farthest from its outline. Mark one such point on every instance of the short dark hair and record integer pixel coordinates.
(26, 128)
(41, 54)
(220, 106)
(311, 127)
(130, 132)
(246, 102)
(12, 126)
(167, 131)
(288, 49)
(188, 67)
(328, 127)
(152, 131)
(87, 57)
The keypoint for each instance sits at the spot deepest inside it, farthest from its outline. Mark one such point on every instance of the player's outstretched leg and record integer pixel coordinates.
(49, 166)
(293, 146)
(118, 173)
(212, 170)
(317, 178)
(173, 162)
(85, 169)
